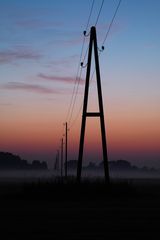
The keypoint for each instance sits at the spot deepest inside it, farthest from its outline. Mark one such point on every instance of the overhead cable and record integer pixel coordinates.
(78, 75)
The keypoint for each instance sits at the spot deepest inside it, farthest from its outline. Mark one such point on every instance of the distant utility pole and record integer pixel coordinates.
(61, 157)
(100, 113)
(57, 164)
(66, 153)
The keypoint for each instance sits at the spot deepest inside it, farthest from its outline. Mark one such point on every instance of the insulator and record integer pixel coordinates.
(83, 65)
(101, 50)
(85, 33)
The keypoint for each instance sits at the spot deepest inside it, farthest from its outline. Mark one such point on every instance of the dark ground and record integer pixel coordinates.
(53, 210)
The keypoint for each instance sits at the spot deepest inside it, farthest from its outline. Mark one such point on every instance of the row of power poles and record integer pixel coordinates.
(60, 154)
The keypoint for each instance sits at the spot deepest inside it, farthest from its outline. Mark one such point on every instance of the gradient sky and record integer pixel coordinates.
(40, 45)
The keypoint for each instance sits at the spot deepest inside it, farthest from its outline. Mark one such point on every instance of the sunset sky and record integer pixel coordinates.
(40, 46)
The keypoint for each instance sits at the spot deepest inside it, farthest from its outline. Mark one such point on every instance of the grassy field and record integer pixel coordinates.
(92, 210)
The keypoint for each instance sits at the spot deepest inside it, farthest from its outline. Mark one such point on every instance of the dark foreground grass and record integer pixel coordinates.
(90, 210)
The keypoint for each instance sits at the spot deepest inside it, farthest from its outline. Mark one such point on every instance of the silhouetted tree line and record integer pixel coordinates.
(11, 161)
(118, 165)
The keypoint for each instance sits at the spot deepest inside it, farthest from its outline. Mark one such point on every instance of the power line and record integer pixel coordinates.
(110, 25)
(74, 100)
(79, 111)
(106, 36)
(90, 15)
(79, 71)
(73, 92)
(79, 79)
(99, 12)
(77, 115)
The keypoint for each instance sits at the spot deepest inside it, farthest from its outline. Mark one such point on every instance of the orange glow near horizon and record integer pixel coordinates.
(120, 131)
(37, 131)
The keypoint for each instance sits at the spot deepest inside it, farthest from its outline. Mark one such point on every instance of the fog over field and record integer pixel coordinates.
(50, 175)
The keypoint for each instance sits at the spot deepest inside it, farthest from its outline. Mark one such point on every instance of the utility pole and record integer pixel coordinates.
(57, 165)
(100, 114)
(66, 153)
(62, 158)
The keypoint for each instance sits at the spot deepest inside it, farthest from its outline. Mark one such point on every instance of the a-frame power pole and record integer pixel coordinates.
(100, 114)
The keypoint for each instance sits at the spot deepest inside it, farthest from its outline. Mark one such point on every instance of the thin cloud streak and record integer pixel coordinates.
(68, 80)
(9, 56)
(29, 88)
(38, 24)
